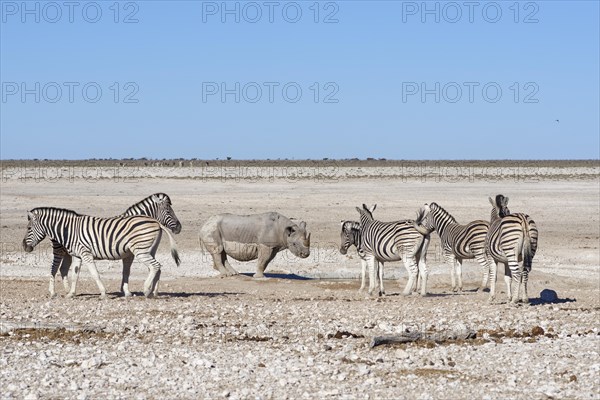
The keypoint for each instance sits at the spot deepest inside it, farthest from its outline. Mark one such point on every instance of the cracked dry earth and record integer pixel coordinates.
(288, 338)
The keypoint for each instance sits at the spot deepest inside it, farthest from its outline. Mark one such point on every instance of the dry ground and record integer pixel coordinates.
(295, 335)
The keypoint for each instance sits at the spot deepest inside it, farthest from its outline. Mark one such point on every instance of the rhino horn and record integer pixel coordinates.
(308, 240)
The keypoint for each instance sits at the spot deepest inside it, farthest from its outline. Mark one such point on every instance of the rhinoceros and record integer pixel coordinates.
(251, 237)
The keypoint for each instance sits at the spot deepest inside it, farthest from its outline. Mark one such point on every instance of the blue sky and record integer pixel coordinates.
(377, 79)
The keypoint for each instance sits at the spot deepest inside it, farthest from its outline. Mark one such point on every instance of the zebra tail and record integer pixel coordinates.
(528, 252)
(174, 252)
(417, 223)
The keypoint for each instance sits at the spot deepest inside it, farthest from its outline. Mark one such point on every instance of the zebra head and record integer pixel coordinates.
(164, 212)
(499, 207)
(366, 214)
(35, 232)
(348, 235)
(424, 222)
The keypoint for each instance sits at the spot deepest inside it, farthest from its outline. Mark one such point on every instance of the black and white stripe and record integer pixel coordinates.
(512, 239)
(351, 235)
(459, 242)
(157, 206)
(394, 241)
(92, 238)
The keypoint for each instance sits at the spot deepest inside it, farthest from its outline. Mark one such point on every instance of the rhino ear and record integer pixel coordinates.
(302, 225)
(289, 230)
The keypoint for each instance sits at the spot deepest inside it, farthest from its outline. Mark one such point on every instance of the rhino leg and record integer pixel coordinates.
(229, 270)
(265, 256)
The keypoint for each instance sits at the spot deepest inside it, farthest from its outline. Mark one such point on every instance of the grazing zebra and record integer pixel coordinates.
(351, 236)
(512, 238)
(394, 241)
(90, 238)
(459, 242)
(157, 206)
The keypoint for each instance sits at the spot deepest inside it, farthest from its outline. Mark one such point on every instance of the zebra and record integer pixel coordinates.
(459, 242)
(90, 238)
(394, 241)
(351, 236)
(512, 238)
(157, 206)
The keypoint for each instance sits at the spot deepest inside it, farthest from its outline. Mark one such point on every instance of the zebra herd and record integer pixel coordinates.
(135, 233)
(507, 238)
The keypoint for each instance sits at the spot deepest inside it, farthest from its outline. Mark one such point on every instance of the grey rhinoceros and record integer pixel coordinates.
(251, 237)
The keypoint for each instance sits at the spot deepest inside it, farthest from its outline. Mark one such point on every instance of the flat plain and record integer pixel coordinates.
(303, 332)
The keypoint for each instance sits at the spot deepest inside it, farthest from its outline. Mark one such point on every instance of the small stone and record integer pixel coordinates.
(537, 331)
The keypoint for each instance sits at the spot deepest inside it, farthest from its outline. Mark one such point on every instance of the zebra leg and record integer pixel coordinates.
(413, 271)
(373, 265)
(459, 274)
(153, 267)
(363, 265)
(58, 252)
(157, 276)
(493, 269)
(380, 273)
(508, 281)
(65, 266)
(89, 260)
(156, 281)
(525, 279)
(127, 261)
(517, 273)
(75, 278)
(423, 273)
(486, 267)
(451, 260)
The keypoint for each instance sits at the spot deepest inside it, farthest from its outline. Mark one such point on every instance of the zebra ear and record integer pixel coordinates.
(30, 215)
(156, 198)
(359, 210)
(492, 202)
(373, 208)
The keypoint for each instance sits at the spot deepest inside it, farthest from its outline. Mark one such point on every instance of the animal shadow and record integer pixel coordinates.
(294, 277)
(538, 301)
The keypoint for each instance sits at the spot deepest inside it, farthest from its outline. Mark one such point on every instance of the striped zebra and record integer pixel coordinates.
(157, 206)
(90, 238)
(459, 242)
(512, 238)
(351, 236)
(394, 241)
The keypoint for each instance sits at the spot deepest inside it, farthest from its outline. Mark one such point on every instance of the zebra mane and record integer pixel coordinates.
(50, 209)
(148, 200)
(443, 211)
(353, 225)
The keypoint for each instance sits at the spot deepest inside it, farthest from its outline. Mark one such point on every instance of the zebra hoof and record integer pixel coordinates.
(70, 295)
(127, 294)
